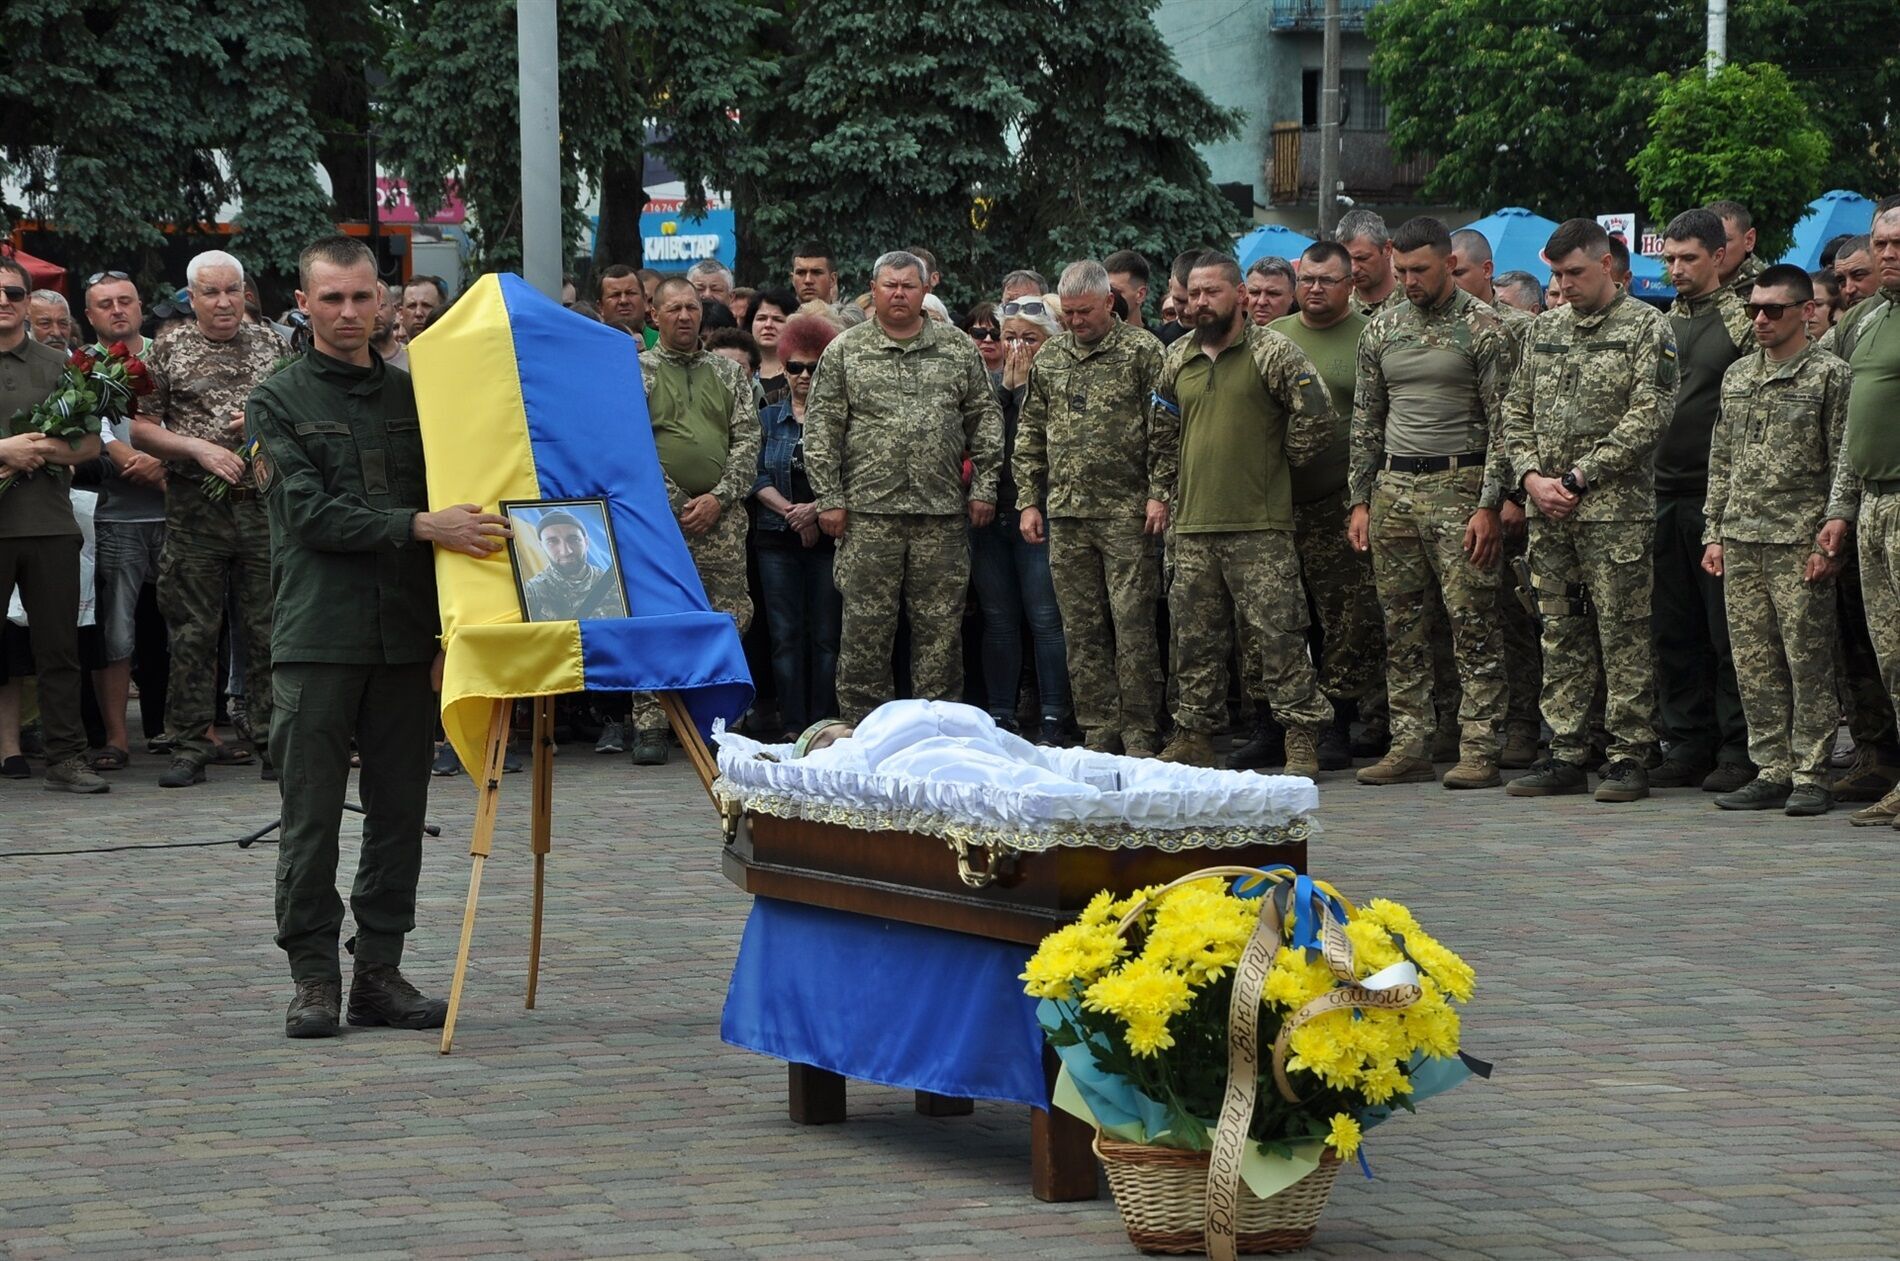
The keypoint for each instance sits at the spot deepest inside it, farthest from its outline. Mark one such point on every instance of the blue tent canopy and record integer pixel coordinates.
(1270, 240)
(1833, 213)
(1517, 239)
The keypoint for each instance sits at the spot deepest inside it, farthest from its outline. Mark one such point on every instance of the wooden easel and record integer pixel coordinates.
(541, 826)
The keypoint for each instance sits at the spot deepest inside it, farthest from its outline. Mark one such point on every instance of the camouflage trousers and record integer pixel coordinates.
(1339, 585)
(1864, 698)
(1523, 656)
(1879, 530)
(719, 556)
(211, 546)
(1781, 634)
(1259, 570)
(1609, 562)
(1418, 529)
(922, 563)
(1107, 580)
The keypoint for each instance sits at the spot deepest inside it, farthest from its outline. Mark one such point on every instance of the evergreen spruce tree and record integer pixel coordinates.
(1108, 159)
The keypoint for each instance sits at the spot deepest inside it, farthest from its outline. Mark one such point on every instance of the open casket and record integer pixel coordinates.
(958, 855)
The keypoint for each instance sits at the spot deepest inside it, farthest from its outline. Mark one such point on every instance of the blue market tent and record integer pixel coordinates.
(1833, 213)
(1270, 240)
(1517, 239)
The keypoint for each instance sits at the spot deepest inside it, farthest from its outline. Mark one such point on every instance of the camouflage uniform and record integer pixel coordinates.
(211, 543)
(1742, 283)
(1093, 449)
(1523, 656)
(1257, 568)
(886, 429)
(719, 553)
(1594, 393)
(1391, 301)
(1771, 467)
(1433, 379)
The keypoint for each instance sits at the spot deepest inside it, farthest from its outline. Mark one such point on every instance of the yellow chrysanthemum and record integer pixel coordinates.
(1070, 958)
(1444, 965)
(1148, 1035)
(1380, 1082)
(1200, 931)
(1344, 1136)
(1296, 979)
(1372, 947)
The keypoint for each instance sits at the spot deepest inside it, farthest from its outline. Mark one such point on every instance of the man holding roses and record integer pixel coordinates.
(39, 538)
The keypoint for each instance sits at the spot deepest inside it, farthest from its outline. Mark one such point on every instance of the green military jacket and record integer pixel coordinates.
(1387, 303)
(340, 467)
(690, 399)
(1594, 393)
(887, 423)
(1772, 455)
(1408, 359)
(1089, 440)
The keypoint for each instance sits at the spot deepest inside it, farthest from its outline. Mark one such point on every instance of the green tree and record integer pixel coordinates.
(1742, 132)
(1536, 103)
(882, 126)
(1107, 159)
(1845, 63)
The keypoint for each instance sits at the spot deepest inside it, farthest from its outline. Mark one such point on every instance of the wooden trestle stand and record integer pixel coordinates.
(541, 827)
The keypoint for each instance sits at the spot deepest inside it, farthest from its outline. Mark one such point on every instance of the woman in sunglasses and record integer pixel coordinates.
(803, 610)
(981, 324)
(1011, 576)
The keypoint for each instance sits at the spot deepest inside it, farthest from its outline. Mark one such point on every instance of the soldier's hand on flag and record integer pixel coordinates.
(463, 528)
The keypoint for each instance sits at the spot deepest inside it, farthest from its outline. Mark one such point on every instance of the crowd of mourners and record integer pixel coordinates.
(1372, 505)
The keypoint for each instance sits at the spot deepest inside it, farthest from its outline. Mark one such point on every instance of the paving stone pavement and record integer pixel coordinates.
(1693, 1015)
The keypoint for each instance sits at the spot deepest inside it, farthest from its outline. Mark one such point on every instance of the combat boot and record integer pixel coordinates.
(1267, 747)
(1883, 813)
(1444, 746)
(1139, 744)
(1335, 743)
(1474, 770)
(379, 995)
(314, 1009)
(649, 747)
(182, 773)
(1623, 780)
(1189, 748)
(1549, 778)
(1679, 772)
(1520, 749)
(1302, 753)
(1871, 776)
(1728, 777)
(1397, 768)
(1103, 740)
(1808, 801)
(1756, 794)
(1374, 740)
(74, 776)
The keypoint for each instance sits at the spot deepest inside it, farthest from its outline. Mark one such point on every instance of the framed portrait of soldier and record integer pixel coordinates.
(567, 568)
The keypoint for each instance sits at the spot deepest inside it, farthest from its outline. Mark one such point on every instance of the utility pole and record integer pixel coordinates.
(1329, 124)
(538, 40)
(1718, 35)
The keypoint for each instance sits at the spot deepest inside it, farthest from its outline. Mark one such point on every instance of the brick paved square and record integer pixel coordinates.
(1692, 1013)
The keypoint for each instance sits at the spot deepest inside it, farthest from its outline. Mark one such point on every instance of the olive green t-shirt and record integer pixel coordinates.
(1873, 437)
(1334, 352)
(40, 505)
(692, 413)
(1234, 472)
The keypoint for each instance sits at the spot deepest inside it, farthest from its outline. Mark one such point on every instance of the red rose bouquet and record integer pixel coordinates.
(92, 389)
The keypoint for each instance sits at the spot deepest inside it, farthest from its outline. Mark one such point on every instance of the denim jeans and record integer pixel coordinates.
(803, 611)
(1012, 583)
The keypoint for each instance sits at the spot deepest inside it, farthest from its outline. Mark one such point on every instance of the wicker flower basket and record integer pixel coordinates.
(1162, 1195)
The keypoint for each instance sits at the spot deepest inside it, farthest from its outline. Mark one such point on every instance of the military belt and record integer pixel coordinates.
(1433, 463)
(1880, 486)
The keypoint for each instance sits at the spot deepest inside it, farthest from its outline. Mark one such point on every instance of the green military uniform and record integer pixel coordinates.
(1427, 452)
(1248, 417)
(1523, 656)
(886, 428)
(1771, 468)
(355, 635)
(1594, 392)
(1867, 479)
(706, 429)
(1093, 449)
(1338, 579)
(1367, 310)
(1698, 702)
(1870, 711)
(1742, 283)
(212, 542)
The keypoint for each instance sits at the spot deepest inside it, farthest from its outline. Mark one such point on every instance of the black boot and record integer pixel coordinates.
(1335, 739)
(1266, 748)
(380, 996)
(314, 1009)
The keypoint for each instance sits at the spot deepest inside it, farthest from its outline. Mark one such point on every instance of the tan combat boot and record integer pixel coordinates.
(1520, 750)
(1189, 748)
(1302, 752)
(1397, 768)
(1883, 813)
(1474, 770)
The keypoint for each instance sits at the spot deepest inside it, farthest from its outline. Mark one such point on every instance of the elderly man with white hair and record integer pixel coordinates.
(216, 534)
(712, 281)
(49, 319)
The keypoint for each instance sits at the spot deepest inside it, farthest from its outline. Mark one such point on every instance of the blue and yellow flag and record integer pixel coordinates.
(522, 399)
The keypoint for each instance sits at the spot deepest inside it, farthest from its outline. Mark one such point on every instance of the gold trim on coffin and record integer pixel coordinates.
(963, 836)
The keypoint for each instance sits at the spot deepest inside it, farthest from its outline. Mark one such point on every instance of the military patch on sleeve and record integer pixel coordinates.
(1666, 364)
(260, 469)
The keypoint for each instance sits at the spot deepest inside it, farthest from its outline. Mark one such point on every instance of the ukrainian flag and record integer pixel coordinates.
(520, 398)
